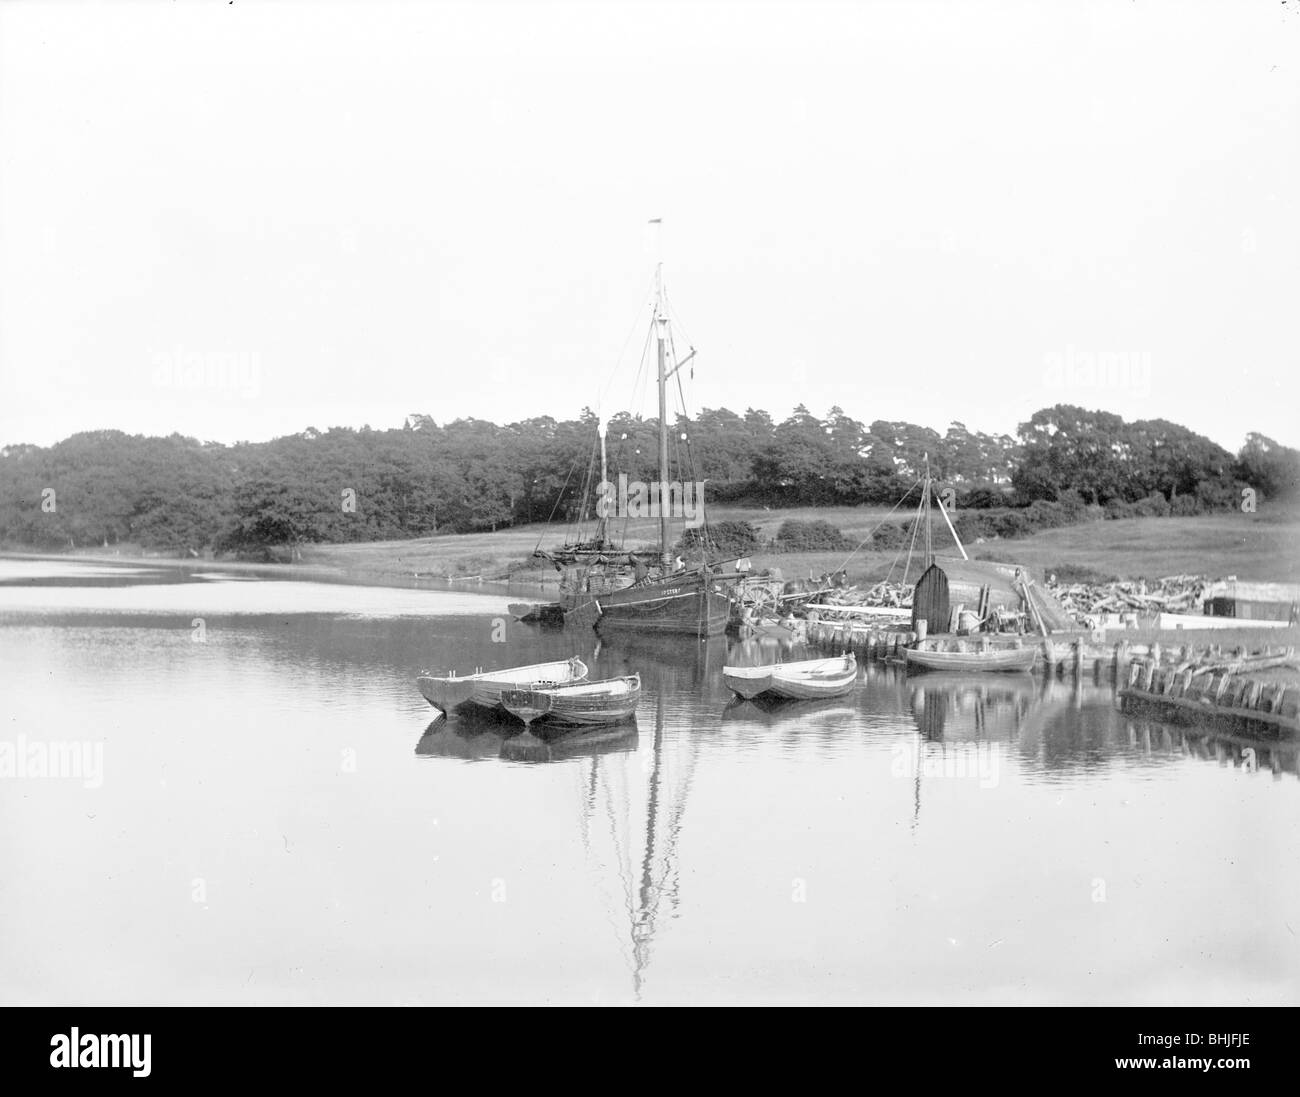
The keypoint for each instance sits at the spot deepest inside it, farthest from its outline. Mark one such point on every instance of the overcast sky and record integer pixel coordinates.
(920, 211)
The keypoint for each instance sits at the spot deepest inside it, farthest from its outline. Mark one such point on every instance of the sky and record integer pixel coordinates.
(236, 221)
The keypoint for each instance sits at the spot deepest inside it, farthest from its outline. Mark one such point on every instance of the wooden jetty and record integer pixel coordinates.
(1054, 656)
(965, 610)
(1087, 654)
(1254, 689)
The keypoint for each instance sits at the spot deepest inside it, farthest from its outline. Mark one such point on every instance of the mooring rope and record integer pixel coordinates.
(877, 526)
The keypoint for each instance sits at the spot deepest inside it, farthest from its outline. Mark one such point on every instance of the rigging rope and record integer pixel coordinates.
(556, 507)
(916, 525)
(609, 380)
(877, 526)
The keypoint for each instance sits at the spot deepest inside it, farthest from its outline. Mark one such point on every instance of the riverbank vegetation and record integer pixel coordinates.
(832, 478)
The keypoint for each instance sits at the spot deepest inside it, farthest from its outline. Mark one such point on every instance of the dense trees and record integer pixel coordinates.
(1105, 460)
(182, 495)
(1270, 468)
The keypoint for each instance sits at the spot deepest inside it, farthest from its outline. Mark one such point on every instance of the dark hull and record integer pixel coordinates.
(680, 606)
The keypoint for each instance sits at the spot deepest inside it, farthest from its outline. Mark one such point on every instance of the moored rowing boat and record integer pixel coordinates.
(483, 690)
(800, 681)
(577, 704)
(993, 659)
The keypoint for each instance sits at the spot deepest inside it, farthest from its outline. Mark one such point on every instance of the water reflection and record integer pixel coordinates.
(476, 739)
(903, 805)
(633, 808)
(1058, 726)
(979, 706)
(1175, 742)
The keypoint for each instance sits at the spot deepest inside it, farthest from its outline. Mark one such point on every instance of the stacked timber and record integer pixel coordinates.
(882, 602)
(1181, 594)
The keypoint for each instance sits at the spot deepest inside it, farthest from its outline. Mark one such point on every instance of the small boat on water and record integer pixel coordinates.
(577, 704)
(801, 681)
(992, 659)
(483, 690)
(537, 613)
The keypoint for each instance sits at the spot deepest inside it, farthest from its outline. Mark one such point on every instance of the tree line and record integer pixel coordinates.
(180, 494)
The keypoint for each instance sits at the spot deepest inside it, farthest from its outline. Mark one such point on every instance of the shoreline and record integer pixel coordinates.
(317, 572)
(1249, 548)
(1240, 633)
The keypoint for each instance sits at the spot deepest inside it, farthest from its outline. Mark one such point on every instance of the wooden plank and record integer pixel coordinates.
(901, 612)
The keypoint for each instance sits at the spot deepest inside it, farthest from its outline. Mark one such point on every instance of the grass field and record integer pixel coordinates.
(508, 550)
(1263, 546)
(1256, 547)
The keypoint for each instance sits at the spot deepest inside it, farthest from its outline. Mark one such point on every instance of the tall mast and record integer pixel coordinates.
(602, 520)
(929, 540)
(661, 335)
(604, 472)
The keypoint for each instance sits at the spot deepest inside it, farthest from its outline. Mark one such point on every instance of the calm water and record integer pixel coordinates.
(266, 812)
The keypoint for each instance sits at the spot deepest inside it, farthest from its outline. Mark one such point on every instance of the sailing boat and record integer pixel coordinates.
(675, 600)
(619, 590)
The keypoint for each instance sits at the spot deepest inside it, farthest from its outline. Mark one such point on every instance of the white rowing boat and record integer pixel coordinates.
(801, 681)
(483, 690)
(994, 659)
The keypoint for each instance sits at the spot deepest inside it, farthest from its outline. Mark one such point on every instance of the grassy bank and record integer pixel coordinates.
(1259, 547)
(508, 551)
(1264, 546)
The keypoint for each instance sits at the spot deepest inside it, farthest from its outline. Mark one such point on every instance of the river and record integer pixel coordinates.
(217, 787)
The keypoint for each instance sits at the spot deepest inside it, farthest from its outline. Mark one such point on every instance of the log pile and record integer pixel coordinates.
(884, 594)
(1172, 594)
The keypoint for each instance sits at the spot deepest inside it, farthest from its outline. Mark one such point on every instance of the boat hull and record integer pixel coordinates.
(483, 691)
(586, 704)
(537, 613)
(687, 605)
(1003, 660)
(803, 681)
(748, 686)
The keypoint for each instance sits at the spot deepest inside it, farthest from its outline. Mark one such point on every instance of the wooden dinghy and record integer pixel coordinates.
(801, 681)
(576, 704)
(537, 613)
(994, 659)
(483, 690)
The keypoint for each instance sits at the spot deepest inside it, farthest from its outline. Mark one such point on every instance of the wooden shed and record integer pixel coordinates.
(982, 586)
(1253, 601)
